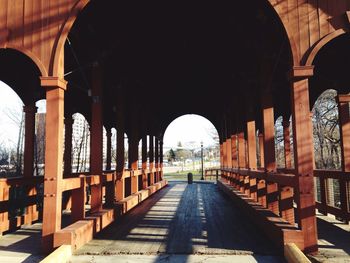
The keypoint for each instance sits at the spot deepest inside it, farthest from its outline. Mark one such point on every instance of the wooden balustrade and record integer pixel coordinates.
(21, 197)
(20, 201)
(332, 189)
(333, 193)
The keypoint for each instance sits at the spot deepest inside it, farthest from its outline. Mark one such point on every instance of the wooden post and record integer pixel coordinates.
(78, 201)
(241, 159)
(67, 157)
(96, 139)
(222, 155)
(224, 151)
(261, 150)
(29, 140)
(252, 160)
(234, 151)
(55, 88)
(133, 162)
(286, 140)
(303, 148)
(156, 157)
(109, 149)
(160, 160)
(68, 125)
(269, 152)
(261, 184)
(144, 162)
(344, 122)
(151, 158)
(229, 152)
(28, 163)
(241, 151)
(119, 184)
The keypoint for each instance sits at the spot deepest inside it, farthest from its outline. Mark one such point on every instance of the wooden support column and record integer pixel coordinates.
(224, 150)
(286, 140)
(241, 159)
(133, 162)
(269, 152)
(55, 88)
(29, 141)
(151, 158)
(261, 150)
(160, 160)
(344, 122)
(252, 160)
(67, 157)
(156, 157)
(109, 149)
(68, 133)
(234, 151)
(286, 193)
(229, 152)
(222, 155)
(261, 184)
(144, 162)
(241, 151)
(78, 201)
(96, 139)
(303, 149)
(119, 184)
(110, 186)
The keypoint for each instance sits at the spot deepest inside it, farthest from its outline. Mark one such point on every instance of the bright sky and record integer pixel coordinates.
(11, 107)
(189, 129)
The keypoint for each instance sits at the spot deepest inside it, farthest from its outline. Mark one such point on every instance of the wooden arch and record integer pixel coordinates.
(36, 61)
(321, 43)
(56, 66)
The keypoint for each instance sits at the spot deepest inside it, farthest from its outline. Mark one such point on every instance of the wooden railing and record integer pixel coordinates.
(332, 189)
(274, 190)
(333, 193)
(20, 201)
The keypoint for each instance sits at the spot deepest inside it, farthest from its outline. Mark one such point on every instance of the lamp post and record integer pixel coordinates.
(202, 178)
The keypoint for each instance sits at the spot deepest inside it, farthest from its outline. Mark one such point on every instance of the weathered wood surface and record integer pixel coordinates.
(182, 219)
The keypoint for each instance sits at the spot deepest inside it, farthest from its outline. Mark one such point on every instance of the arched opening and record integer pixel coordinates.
(80, 144)
(114, 149)
(39, 150)
(12, 132)
(190, 140)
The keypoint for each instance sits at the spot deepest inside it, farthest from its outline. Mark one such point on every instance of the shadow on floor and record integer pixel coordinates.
(182, 219)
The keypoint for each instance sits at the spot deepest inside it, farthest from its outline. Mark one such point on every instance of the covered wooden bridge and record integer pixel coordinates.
(136, 66)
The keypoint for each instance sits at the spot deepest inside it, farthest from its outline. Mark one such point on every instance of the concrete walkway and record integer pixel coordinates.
(193, 222)
(333, 240)
(24, 245)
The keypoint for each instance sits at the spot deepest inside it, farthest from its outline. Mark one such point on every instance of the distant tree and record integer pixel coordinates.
(171, 156)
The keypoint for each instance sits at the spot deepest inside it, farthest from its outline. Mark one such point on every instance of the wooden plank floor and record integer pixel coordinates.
(182, 219)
